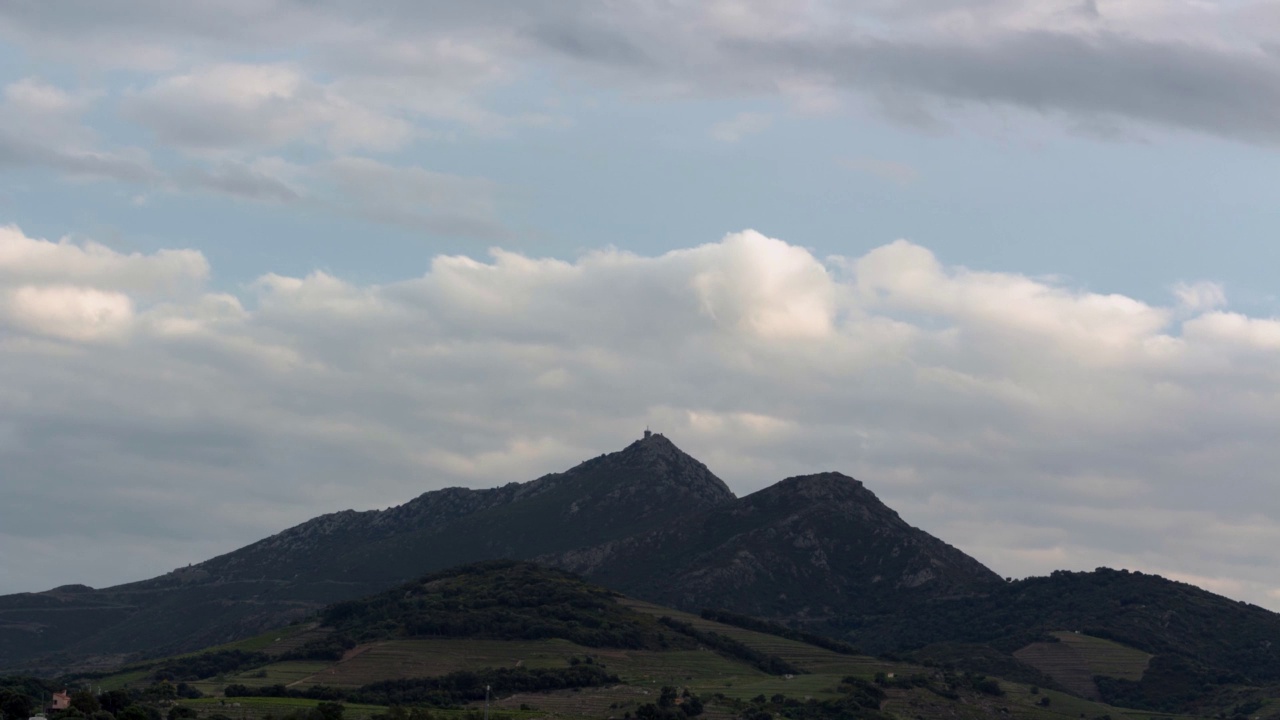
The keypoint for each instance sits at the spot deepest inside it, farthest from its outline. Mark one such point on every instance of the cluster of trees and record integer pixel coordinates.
(860, 700)
(748, 622)
(322, 711)
(946, 684)
(208, 664)
(400, 712)
(671, 705)
(446, 690)
(727, 646)
(21, 700)
(16, 705)
(1170, 684)
(502, 599)
(1218, 638)
(330, 647)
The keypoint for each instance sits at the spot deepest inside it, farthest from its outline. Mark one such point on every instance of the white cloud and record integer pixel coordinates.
(1200, 296)
(28, 259)
(68, 312)
(233, 106)
(1033, 424)
(85, 292)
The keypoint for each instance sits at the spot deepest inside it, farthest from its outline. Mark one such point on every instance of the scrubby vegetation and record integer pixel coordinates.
(671, 705)
(443, 691)
(747, 622)
(502, 600)
(207, 665)
(861, 700)
(729, 647)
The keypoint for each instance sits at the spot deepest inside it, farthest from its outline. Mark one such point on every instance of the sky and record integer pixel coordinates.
(1011, 264)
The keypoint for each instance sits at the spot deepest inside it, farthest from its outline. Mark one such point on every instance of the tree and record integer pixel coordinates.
(330, 710)
(179, 712)
(668, 697)
(133, 712)
(113, 701)
(16, 705)
(85, 701)
(163, 690)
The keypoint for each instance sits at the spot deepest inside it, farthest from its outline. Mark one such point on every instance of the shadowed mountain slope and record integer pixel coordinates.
(349, 554)
(808, 549)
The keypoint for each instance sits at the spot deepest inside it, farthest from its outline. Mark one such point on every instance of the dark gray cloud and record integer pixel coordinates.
(1194, 67)
(237, 180)
(1230, 93)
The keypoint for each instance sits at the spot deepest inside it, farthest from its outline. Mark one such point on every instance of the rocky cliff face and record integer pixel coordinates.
(648, 520)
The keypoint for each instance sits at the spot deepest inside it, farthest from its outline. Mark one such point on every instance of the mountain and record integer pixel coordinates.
(1198, 643)
(808, 549)
(649, 519)
(818, 554)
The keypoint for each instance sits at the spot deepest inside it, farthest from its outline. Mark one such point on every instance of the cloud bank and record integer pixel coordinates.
(147, 422)
(373, 79)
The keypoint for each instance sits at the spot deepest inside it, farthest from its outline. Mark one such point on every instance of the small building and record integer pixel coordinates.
(61, 701)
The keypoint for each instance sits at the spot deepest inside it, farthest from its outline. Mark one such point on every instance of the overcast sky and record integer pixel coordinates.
(1012, 264)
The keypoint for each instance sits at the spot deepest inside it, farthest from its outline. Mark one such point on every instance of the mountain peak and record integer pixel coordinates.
(653, 459)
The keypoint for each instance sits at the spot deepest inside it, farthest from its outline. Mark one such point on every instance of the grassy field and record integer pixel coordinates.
(1018, 701)
(1108, 658)
(276, 642)
(121, 681)
(644, 672)
(812, 659)
(259, 708)
(427, 657)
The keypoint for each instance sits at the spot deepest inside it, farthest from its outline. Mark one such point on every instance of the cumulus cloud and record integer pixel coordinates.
(28, 259)
(1200, 295)
(1033, 424)
(85, 291)
(69, 312)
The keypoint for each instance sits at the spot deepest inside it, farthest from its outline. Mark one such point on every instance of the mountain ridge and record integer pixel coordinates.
(815, 552)
(650, 488)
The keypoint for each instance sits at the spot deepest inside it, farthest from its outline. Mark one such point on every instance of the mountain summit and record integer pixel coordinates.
(810, 549)
(649, 520)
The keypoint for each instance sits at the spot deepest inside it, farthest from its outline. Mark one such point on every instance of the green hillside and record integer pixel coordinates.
(551, 645)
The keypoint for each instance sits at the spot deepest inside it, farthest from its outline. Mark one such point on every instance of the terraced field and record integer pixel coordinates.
(260, 708)
(813, 659)
(589, 702)
(1108, 658)
(1076, 659)
(275, 642)
(427, 657)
